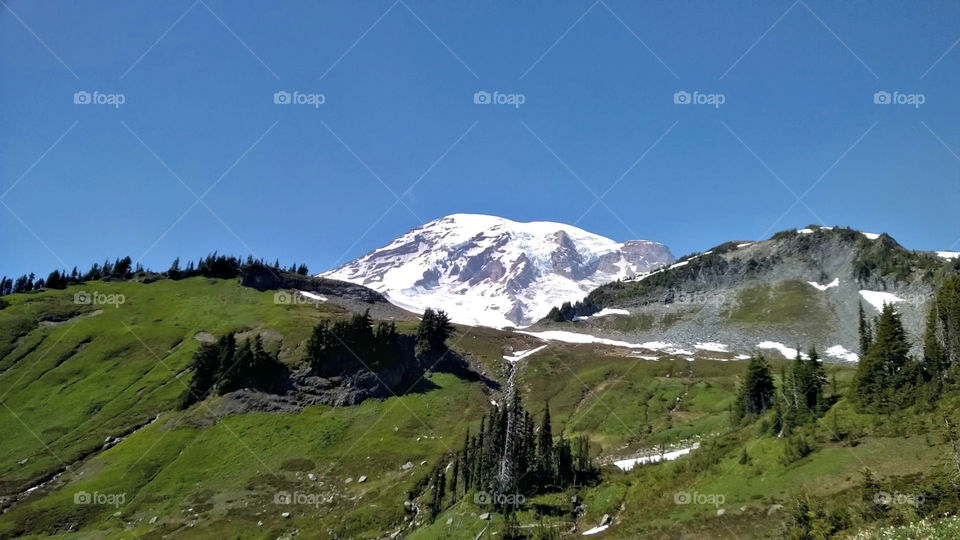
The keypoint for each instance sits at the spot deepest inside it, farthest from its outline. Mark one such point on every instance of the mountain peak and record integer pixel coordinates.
(492, 271)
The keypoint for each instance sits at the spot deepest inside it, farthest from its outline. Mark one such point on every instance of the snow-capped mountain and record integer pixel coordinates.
(491, 271)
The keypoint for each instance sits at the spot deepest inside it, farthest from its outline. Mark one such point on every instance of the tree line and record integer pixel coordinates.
(509, 458)
(211, 266)
(345, 346)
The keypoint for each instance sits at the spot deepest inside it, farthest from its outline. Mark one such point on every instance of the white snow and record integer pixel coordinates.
(949, 255)
(646, 357)
(605, 312)
(313, 296)
(520, 355)
(628, 464)
(834, 283)
(787, 352)
(596, 530)
(804, 231)
(610, 311)
(878, 298)
(711, 346)
(679, 264)
(490, 271)
(576, 337)
(870, 235)
(745, 244)
(838, 351)
(742, 357)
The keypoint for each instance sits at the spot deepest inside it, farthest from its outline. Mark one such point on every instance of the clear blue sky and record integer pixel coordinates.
(399, 79)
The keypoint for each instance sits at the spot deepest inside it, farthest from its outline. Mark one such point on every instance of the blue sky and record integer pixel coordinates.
(399, 140)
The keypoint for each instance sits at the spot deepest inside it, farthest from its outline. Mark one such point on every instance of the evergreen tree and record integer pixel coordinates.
(882, 381)
(866, 335)
(757, 391)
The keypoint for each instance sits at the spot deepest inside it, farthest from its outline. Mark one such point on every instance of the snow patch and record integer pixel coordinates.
(870, 235)
(520, 355)
(745, 244)
(313, 296)
(605, 312)
(628, 464)
(576, 337)
(679, 264)
(878, 298)
(596, 530)
(838, 351)
(787, 352)
(711, 346)
(804, 231)
(834, 283)
(949, 255)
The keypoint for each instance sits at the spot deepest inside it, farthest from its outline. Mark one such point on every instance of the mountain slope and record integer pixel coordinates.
(491, 271)
(799, 287)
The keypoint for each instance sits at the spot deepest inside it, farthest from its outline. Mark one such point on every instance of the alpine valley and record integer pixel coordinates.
(484, 378)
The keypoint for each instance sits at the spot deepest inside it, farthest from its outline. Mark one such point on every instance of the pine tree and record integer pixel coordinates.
(882, 381)
(757, 391)
(866, 335)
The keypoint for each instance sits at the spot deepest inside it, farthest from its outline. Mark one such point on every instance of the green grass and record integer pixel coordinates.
(791, 304)
(69, 385)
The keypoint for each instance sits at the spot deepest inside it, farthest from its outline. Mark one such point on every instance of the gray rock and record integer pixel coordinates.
(285, 515)
(362, 479)
(485, 516)
(312, 477)
(407, 466)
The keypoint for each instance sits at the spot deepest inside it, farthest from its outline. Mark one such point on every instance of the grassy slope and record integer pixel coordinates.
(203, 476)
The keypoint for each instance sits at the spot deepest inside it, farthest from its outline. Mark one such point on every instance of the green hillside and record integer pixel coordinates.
(75, 377)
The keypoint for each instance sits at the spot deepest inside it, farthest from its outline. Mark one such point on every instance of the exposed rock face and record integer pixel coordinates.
(496, 272)
(801, 287)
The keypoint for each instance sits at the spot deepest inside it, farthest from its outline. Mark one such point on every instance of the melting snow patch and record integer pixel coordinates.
(711, 346)
(313, 296)
(627, 464)
(596, 530)
(787, 352)
(679, 264)
(576, 337)
(834, 283)
(745, 244)
(949, 254)
(607, 311)
(647, 357)
(870, 235)
(742, 357)
(804, 231)
(520, 355)
(838, 351)
(878, 298)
